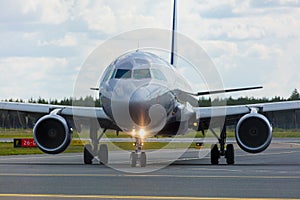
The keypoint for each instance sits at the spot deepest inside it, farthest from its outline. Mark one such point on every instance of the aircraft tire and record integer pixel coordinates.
(103, 154)
(133, 159)
(87, 154)
(143, 159)
(214, 155)
(229, 154)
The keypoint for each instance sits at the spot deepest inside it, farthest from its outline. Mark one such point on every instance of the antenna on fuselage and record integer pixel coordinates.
(138, 46)
(173, 33)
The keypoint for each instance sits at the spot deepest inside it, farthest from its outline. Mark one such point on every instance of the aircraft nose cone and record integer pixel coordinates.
(139, 105)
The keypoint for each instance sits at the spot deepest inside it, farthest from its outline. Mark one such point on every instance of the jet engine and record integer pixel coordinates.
(253, 133)
(52, 134)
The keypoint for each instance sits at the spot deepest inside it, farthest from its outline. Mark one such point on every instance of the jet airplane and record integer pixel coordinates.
(139, 92)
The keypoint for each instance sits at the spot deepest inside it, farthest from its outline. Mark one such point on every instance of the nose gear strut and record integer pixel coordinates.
(138, 156)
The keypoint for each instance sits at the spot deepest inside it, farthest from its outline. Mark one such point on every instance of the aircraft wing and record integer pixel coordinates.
(89, 112)
(233, 113)
(68, 112)
(47, 108)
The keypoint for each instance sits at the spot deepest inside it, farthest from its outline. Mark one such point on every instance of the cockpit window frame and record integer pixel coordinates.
(108, 73)
(123, 75)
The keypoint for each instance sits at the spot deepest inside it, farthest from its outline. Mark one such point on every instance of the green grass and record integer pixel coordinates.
(277, 133)
(152, 145)
(22, 133)
(8, 149)
(15, 133)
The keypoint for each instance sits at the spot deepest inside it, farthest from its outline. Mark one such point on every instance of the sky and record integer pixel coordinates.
(43, 44)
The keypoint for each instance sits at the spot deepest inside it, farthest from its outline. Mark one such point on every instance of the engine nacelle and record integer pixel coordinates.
(253, 133)
(52, 134)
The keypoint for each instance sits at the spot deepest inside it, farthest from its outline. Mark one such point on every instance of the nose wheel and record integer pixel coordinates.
(138, 157)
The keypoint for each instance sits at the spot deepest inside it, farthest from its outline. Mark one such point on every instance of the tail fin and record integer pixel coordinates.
(173, 33)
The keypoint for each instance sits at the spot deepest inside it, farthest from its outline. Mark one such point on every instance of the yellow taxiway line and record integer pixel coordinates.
(127, 197)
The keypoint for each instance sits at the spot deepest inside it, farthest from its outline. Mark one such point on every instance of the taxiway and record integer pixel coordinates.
(274, 173)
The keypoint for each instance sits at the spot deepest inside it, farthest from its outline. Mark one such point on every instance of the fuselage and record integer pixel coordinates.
(136, 91)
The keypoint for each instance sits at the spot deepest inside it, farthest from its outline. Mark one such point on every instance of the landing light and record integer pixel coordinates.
(142, 133)
(133, 133)
(133, 144)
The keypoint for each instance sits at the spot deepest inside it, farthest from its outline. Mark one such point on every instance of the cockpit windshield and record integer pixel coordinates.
(141, 73)
(157, 74)
(123, 73)
(138, 66)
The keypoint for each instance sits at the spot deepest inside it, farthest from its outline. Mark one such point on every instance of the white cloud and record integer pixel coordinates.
(260, 51)
(25, 77)
(250, 41)
(48, 11)
(217, 47)
(285, 76)
(68, 40)
(111, 17)
(100, 17)
(222, 53)
(243, 31)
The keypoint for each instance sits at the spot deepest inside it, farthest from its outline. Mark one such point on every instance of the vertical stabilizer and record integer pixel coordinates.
(173, 47)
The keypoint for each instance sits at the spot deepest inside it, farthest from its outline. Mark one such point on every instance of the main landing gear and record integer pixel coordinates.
(216, 153)
(138, 156)
(91, 151)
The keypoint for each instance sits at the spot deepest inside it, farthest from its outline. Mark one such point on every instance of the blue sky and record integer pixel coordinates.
(44, 43)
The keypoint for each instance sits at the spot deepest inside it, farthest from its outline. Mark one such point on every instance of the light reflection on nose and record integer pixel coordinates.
(139, 105)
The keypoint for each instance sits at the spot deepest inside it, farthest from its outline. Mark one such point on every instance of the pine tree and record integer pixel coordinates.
(295, 95)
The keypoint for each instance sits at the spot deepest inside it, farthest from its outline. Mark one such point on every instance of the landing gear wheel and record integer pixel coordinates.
(87, 154)
(229, 154)
(103, 154)
(143, 159)
(133, 159)
(214, 154)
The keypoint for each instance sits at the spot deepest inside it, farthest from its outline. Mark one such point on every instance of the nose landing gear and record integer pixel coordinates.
(138, 156)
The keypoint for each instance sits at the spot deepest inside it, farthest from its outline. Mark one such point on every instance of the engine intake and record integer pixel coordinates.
(253, 133)
(52, 134)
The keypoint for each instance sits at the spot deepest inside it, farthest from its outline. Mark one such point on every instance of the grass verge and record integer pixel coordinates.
(8, 149)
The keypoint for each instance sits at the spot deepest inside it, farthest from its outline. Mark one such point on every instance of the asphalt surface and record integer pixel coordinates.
(274, 173)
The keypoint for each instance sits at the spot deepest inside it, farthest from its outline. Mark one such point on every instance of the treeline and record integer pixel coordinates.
(203, 102)
(247, 100)
(286, 120)
(14, 120)
(88, 101)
